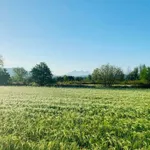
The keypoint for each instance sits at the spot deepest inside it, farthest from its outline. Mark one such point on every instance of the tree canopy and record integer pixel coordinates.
(108, 74)
(20, 75)
(133, 75)
(41, 74)
(4, 77)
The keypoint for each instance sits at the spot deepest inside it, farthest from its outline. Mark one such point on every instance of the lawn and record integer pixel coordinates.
(34, 118)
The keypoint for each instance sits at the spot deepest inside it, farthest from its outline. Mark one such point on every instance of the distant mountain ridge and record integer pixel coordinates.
(74, 73)
(79, 73)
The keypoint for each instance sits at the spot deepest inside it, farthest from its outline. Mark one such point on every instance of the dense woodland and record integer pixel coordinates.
(107, 75)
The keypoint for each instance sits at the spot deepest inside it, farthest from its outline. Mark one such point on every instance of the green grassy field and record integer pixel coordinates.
(69, 119)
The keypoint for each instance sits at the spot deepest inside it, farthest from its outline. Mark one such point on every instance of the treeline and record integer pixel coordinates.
(107, 75)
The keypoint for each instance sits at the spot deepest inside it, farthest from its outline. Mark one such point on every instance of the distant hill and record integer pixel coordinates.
(79, 73)
(73, 73)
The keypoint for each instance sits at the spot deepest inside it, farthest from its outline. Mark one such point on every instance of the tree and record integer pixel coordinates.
(1, 61)
(108, 74)
(20, 75)
(41, 74)
(79, 79)
(4, 77)
(148, 74)
(96, 76)
(68, 78)
(88, 78)
(143, 72)
(134, 75)
(59, 79)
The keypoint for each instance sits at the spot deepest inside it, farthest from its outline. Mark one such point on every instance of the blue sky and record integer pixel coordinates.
(75, 34)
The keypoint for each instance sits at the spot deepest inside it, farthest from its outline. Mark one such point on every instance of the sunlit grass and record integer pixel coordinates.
(63, 118)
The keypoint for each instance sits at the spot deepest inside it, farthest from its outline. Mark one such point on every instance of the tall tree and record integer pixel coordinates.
(143, 72)
(148, 74)
(20, 75)
(96, 75)
(41, 74)
(133, 75)
(4, 77)
(108, 74)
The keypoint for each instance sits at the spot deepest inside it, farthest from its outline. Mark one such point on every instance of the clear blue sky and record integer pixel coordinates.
(75, 34)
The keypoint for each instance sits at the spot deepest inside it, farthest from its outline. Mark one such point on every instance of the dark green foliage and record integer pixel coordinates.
(140, 74)
(41, 74)
(96, 76)
(4, 77)
(108, 74)
(148, 74)
(72, 79)
(68, 78)
(134, 75)
(88, 78)
(143, 73)
(59, 79)
(79, 78)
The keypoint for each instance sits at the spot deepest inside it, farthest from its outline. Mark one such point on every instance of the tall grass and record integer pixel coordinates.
(33, 118)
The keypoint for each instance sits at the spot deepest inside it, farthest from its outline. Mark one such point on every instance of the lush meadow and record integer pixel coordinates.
(33, 118)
